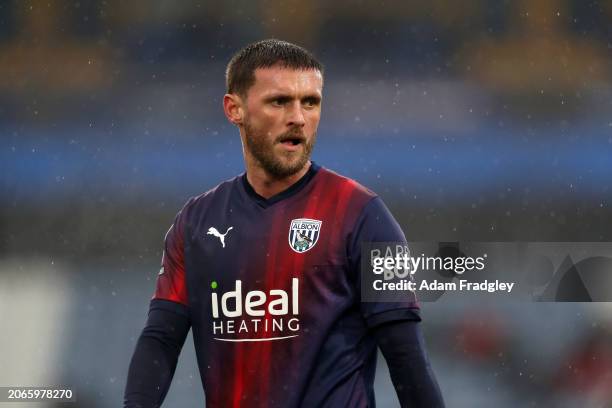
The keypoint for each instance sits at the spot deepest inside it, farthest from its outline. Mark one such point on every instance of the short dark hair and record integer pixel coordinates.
(240, 73)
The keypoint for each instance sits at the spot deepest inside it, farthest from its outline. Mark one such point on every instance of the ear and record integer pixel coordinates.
(233, 108)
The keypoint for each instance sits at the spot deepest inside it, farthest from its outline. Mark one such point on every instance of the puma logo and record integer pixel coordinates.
(216, 233)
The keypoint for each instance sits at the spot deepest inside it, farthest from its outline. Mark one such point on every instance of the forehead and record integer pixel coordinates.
(278, 79)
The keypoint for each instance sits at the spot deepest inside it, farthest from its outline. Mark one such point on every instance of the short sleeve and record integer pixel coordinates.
(171, 284)
(376, 224)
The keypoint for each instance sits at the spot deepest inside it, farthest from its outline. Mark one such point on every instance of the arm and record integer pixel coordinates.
(402, 345)
(154, 360)
(156, 355)
(395, 322)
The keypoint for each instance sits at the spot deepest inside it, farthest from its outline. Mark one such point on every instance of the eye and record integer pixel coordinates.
(311, 102)
(280, 101)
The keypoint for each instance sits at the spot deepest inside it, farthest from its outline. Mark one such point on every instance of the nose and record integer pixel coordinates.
(295, 115)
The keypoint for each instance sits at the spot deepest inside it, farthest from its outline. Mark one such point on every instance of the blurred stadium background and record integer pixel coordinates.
(479, 120)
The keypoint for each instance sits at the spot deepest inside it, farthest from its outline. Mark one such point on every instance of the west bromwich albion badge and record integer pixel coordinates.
(304, 234)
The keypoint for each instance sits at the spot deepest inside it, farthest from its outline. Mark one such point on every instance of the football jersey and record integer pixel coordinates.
(272, 291)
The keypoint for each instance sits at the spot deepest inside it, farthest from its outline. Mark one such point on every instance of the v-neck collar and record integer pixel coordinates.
(288, 192)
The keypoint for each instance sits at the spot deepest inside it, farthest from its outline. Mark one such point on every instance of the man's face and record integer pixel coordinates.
(282, 112)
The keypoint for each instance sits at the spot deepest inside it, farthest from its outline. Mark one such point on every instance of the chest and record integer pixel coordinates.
(240, 243)
(290, 260)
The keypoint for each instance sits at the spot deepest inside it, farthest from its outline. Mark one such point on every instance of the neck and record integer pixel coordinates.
(266, 185)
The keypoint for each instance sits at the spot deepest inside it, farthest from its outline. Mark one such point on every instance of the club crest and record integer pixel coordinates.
(304, 234)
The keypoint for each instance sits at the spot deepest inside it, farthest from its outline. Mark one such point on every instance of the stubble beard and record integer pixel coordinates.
(278, 165)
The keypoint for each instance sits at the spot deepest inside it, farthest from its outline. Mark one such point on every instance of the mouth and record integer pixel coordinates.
(292, 142)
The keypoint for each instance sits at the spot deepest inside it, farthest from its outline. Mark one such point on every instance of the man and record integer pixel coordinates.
(265, 266)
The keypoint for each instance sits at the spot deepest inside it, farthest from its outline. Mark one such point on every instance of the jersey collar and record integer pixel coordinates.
(290, 191)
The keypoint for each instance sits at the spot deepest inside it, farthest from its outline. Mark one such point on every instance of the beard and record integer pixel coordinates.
(285, 163)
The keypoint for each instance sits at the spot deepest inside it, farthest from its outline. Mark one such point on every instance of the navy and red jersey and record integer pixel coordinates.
(272, 291)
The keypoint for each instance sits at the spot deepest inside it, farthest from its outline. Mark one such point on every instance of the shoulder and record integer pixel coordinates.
(345, 187)
(367, 202)
(202, 202)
